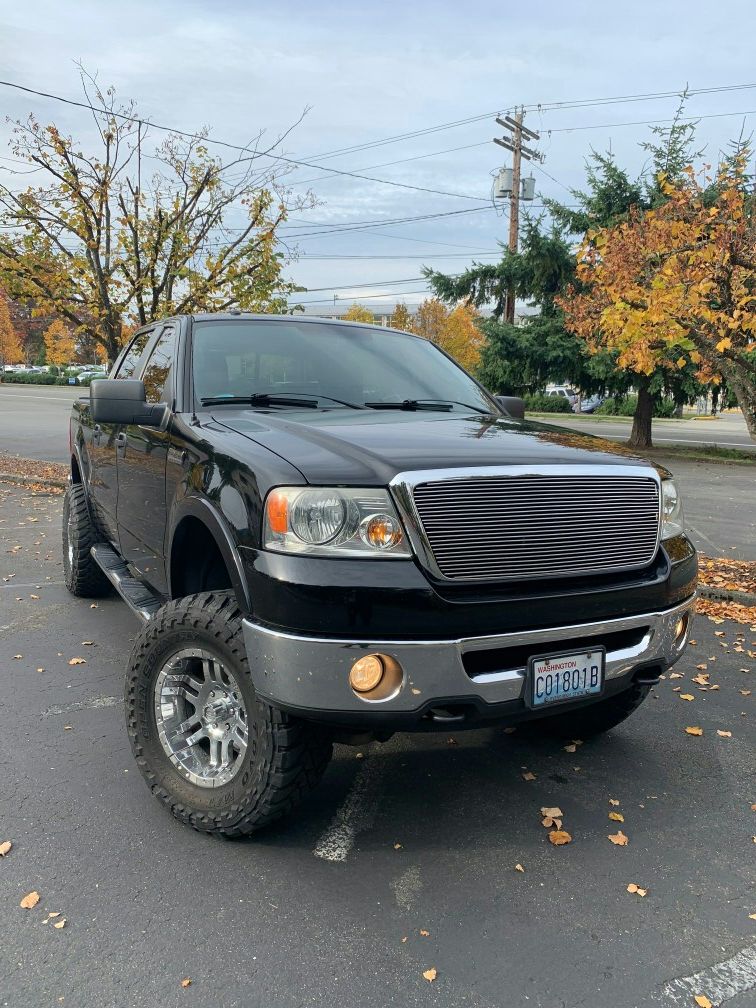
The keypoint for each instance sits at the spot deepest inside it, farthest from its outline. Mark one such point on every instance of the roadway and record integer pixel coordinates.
(403, 860)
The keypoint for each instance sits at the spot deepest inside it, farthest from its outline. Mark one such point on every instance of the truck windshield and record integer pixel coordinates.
(334, 364)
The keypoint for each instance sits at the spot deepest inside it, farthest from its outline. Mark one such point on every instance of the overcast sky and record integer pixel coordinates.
(370, 71)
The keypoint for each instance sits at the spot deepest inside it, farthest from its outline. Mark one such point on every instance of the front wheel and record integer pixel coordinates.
(220, 758)
(594, 719)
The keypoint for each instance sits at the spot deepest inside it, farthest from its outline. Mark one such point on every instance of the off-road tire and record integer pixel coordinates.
(599, 717)
(285, 756)
(82, 575)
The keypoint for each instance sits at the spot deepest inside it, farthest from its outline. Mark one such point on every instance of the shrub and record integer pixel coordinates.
(547, 404)
(21, 378)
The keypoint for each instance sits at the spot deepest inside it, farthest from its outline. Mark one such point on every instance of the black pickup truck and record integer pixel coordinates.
(333, 533)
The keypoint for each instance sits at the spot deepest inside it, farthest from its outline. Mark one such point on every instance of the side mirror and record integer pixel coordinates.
(512, 405)
(123, 401)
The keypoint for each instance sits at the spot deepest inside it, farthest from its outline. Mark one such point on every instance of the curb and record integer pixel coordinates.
(28, 480)
(725, 595)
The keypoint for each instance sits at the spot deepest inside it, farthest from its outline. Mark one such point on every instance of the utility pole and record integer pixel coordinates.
(518, 189)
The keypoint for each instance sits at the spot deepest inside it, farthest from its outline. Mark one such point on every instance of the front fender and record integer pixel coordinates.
(201, 509)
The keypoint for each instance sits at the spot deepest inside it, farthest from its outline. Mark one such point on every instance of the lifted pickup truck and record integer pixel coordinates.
(333, 533)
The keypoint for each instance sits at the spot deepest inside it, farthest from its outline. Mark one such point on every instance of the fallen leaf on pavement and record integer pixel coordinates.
(702, 1001)
(430, 974)
(518, 867)
(30, 900)
(60, 924)
(724, 734)
(553, 813)
(86, 642)
(397, 846)
(559, 837)
(703, 665)
(17, 656)
(5, 846)
(618, 838)
(424, 933)
(186, 982)
(702, 679)
(77, 661)
(570, 748)
(528, 776)
(614, 801)
(694, 730)
(676, 675)
(633, 888)
(687, 696)
(745, 692)
(617, 816)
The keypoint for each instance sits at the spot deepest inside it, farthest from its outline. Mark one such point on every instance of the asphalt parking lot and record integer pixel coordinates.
(403, 860)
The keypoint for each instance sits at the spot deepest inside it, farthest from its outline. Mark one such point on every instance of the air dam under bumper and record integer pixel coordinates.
(312, 673)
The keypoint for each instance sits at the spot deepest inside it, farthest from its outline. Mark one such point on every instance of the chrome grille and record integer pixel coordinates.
(536, 525)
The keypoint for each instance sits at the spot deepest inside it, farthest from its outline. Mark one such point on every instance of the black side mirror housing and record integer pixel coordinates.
(512, 405)
(123, 401)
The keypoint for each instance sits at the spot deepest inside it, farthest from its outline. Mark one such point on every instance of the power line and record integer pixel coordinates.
(650, 96)
(648, 122)
(365, 297)
(230, 146)
(375, 283)
(432, 255)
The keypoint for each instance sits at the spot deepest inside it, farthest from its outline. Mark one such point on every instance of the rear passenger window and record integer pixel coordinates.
(157, 372)
(129, 363)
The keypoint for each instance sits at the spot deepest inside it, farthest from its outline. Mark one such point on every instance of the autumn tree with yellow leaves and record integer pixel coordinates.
(107, 240)
(10, 344)
(461, 338)
(676, 284)
(359, 313)
(60, 344)
(401, 319)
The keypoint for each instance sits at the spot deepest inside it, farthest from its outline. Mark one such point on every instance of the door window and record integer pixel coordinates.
(133, 355)
(157, 373)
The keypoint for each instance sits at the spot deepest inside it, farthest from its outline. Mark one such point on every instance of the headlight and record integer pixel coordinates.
(325, 521)
(672, 513)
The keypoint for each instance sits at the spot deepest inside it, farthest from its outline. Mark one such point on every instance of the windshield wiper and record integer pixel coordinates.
(260, 399)
(273, 399)
(440, 405)
(410, 404)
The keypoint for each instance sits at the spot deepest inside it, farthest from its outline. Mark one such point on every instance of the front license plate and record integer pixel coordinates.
(558, 678)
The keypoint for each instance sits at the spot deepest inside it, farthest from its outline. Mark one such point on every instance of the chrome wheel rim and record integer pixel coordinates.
(201, 717)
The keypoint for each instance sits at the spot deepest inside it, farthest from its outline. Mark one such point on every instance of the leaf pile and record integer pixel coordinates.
(718, 612)
(727, 574)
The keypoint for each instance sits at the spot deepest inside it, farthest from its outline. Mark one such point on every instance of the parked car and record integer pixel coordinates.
(563, 391)
(333, 533)
(591, 404)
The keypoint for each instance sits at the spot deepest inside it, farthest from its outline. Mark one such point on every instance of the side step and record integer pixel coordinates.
(136, 595)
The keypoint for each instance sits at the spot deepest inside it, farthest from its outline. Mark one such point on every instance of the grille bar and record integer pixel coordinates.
(555, 523)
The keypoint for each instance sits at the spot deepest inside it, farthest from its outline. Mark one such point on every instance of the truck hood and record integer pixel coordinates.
(369, 447)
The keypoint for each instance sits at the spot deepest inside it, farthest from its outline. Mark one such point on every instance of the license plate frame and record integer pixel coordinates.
(561, 657)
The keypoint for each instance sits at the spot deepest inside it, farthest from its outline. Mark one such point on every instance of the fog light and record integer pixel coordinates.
(366, 673)
(681, 629)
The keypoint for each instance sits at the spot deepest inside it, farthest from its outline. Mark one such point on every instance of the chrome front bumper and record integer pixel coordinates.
(311, 673)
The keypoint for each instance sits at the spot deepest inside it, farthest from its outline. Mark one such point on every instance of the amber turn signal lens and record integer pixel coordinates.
(366, 673)
(277, 506)
(381, 531)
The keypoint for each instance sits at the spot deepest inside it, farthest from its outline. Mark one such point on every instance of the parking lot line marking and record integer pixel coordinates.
(718, 982)
(93, 702)
(356, 813)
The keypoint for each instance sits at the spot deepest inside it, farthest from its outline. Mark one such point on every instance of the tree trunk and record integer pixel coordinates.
(640, 437)
(745, 393)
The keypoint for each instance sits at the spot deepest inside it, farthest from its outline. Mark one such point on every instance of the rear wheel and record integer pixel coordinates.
(82, 575)
(220, 758)
(594, 719)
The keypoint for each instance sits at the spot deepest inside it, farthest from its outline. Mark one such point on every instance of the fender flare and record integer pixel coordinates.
(215, 523)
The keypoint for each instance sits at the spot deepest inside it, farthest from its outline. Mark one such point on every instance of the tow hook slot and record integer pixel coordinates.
(445, 715)
(647, 677)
